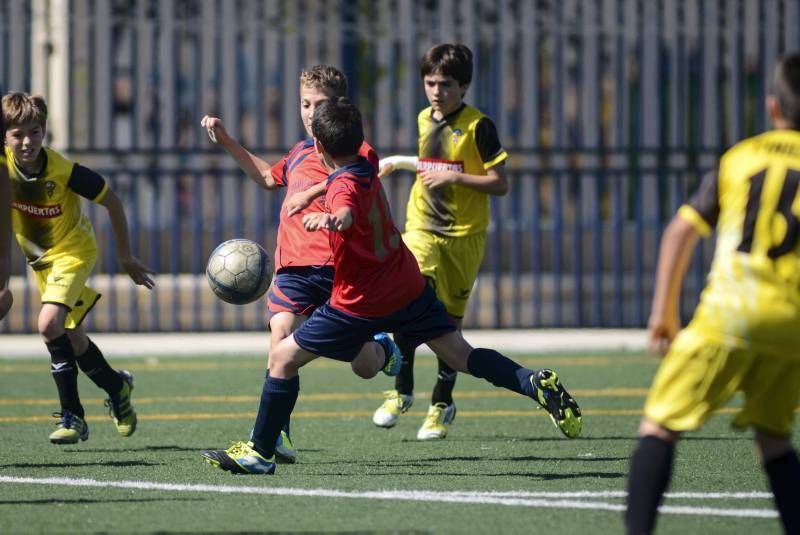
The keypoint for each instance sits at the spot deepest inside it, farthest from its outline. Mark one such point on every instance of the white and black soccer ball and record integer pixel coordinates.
(239, 271)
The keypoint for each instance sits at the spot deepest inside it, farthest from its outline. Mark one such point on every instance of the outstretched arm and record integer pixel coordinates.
(257, 169)
(6, 299)
(119, 224)
(397, 161)
(338, 221)
(677, 246)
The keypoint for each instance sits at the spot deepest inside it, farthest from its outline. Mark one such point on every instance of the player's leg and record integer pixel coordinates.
(118, 384)
(278, 397)
(649, 475)
(71, 426)
(459, 260)
(772, 391)
(782, 467)
(281, 325)
(426, 248)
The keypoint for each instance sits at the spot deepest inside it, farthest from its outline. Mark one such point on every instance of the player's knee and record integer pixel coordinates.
(365, 370)
(50, 324)
(650, 428)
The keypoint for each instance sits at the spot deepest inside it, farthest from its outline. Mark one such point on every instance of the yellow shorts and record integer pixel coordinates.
(64, 282)
(698, 376)
(452, 263)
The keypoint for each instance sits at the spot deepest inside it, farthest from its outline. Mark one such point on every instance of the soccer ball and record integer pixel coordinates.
(239, 271)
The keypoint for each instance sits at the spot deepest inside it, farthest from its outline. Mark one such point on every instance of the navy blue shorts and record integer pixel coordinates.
(300, 290)
(335, 334)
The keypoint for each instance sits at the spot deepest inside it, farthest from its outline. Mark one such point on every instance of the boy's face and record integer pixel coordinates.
(25, 142)
(444, 93)
(310, 98)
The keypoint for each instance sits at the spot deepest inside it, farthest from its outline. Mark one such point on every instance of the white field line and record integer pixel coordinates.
(550, 500)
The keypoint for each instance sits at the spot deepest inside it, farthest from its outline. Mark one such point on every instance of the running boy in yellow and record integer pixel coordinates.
(460, 165)
(745, 333)
(58, 241)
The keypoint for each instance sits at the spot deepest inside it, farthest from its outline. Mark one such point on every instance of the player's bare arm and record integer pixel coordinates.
(494, 182)
(254, 167)
(6, 299)
(139, 273)
(677, 245)
(300, 200)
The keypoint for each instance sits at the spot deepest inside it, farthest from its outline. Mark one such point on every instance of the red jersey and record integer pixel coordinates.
(299, 170)
(375, 273)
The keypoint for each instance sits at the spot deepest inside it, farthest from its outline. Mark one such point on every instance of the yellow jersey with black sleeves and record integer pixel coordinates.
(464, 141)
(752, 297)
(46, 205)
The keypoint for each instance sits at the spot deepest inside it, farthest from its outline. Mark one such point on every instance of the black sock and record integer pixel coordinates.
(500, 371)
(404, 382)
(650, 471)
(65, 374)
(445, 383)
(277, 403)
(784, 480)
(96, 368)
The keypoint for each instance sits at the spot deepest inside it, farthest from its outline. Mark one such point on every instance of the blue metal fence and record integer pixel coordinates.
(611, 110)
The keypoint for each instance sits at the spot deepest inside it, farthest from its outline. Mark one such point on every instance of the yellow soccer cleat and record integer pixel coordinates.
(120, 408)
(551, 395)
(241, 458)
(390, 410)
(69, 429)
(440, 416)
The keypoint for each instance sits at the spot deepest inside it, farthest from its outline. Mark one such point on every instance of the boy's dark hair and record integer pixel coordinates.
(21, 108)
(449, 60)
(337, 126)
(325, 78)
(786, 87)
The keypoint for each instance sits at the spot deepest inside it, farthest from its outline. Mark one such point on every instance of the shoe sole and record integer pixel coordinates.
(82, 438)
(571, 425)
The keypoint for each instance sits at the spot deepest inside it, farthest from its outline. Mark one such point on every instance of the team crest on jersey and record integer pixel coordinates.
(50, 187)
(457, 133)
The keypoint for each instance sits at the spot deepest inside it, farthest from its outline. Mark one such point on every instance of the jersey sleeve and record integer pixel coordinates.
(370, 154)
(702, 208)
(278, 171)
(489, 147)
(87, 183)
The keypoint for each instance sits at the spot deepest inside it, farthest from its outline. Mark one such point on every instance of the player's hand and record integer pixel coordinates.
(214, 128)
(6, 300)
(297, 202)
(437, 179)
(385, 170)
(661, 333)
(316, 221)
(138, 271)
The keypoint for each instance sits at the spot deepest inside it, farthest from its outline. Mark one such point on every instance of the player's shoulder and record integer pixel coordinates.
(301, 146)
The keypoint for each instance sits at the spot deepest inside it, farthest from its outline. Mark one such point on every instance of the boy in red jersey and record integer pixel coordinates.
(377, 287)
(304, 261)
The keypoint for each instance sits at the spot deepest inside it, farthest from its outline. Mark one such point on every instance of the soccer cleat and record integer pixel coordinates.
(395, 360)
(284, 449)
(553, 397)
(390, 410)
(69, 429)
(241, 458)
(440, 415)
(120, 408)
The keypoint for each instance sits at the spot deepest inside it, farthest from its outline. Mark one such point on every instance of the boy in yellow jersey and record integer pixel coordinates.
(58, 241)
(6, 299)
(745, 333)
(460, 164)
